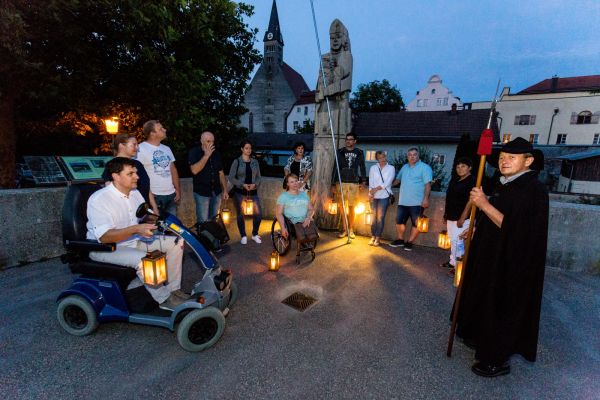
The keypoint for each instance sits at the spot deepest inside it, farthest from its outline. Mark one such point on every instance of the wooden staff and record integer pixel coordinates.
(484, 149)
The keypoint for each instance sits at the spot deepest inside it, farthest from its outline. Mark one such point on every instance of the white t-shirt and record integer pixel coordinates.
(157, 162)
(108, 208)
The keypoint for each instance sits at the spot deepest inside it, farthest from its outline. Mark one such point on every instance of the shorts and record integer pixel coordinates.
(405, 211)
(351, 195)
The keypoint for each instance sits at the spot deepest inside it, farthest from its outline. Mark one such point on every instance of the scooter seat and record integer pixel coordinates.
(100, 270)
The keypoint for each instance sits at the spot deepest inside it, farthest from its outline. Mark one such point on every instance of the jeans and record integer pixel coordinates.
(378, 208)
(166, 203)
(207, 207)
(256, 215)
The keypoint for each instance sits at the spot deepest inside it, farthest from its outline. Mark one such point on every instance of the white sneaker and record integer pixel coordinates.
(244, 240)
(257, 239)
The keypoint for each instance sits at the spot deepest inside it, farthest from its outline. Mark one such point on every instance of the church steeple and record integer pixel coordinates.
(273, 33)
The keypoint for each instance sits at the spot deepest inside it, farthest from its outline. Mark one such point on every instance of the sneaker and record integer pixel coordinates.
(408, 246)
(352, 235)
(372, 241)
(342, 234)
(376, 242)
(446, 265)
(256, 238)
(171, 303)
(244, 240)
(397, 243)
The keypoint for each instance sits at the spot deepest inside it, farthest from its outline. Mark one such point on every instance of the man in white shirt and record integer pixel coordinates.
(159, 162)
(111, 219)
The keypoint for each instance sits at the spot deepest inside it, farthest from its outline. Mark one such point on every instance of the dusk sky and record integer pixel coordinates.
(470, 44)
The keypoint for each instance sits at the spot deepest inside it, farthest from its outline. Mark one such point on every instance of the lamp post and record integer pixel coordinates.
(112, 125)
(556, 110)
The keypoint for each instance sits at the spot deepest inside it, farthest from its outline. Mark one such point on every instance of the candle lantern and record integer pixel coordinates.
(332, 207)
(154, 268)
(369, 217)
(274, 263)
(444, 240)
(359, 209)
(423, 223)
(458, 271)
(225, 215)
(248, 206)
(112, 125)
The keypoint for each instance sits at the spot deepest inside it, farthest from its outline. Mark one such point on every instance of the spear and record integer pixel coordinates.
(484, 149)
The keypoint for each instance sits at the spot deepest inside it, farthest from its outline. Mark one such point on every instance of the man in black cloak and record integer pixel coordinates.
(500, 309)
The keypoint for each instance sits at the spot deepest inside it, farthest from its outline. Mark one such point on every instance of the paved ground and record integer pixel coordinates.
(378, 331)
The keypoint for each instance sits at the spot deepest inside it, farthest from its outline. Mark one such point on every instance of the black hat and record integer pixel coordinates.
(519, 146)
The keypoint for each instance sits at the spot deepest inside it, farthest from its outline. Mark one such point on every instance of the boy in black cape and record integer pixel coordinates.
(500, 309)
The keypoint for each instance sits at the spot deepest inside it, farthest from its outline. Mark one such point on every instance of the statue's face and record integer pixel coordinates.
(336, 39)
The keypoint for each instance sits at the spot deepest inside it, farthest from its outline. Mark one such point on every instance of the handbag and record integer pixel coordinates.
(391, 196)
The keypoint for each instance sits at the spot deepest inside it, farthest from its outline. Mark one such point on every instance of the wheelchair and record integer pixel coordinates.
(101, 294)
(282, 245)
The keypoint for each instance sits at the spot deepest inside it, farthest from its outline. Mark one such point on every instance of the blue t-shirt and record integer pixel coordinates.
(412, 183)
(295, 206)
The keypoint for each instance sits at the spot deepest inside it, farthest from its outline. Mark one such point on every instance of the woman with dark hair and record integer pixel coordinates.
(300, 165)
(244, 175)
(295, 205)
(456, 211)
(126, 145)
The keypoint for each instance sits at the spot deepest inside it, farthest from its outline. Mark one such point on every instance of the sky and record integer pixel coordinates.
(469, 44)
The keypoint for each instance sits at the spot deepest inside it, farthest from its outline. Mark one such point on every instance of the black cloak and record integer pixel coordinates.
(502, 289)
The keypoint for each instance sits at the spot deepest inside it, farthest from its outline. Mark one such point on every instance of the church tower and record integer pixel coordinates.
(275, 87)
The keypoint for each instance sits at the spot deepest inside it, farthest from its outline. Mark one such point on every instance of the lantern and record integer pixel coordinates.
(444, 240)
(458, 271)
(359, 209)
(369, 217)
(274, 264)
(112, 125)
(248, 206)
(225, 215)
(423, 224)
(154, 267)
(332, 207)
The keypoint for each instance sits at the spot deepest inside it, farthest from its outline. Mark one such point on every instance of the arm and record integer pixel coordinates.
(281, 220)
(361, 167)
(117, 235)
(286, 169)
(153, 204)
(309, 215)
(200, 164)
(256, 183)
(425, 202)
(223, 184)
(481, 201)
(233, 174)
(175, 178)
(464, 215)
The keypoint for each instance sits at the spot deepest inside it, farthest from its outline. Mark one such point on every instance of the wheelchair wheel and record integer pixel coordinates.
(201, 329)
(233, 294)
(77, 316)
(280, 243)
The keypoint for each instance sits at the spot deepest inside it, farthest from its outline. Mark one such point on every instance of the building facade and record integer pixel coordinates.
(275, 87)
(434, 97)
(302, 112)
(555, 111)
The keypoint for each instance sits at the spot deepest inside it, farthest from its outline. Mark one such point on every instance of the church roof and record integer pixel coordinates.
(561, 85)
(424, 126)
(295, 80)
(274, 27)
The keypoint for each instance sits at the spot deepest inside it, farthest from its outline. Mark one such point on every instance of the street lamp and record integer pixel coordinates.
(112, 125)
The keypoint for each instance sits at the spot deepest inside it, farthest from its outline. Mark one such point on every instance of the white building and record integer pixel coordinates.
(553, 111)
(434, 97)
(302, 112)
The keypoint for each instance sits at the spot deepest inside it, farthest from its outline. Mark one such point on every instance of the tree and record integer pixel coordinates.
(184, 62)
(425, 155)
(308, 126)
(377, 97)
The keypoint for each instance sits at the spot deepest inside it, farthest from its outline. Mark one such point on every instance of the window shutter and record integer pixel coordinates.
(573, 118)
(532, 120)
(595, 117)
(517, 119)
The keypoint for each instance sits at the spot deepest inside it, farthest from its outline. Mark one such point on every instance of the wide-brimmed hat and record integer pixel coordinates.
(518, 146)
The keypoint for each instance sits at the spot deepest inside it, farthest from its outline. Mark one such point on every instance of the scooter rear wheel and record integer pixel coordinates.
(201, 329)
(76, 316)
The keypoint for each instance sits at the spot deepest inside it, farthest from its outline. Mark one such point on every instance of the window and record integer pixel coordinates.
(506, 138)
(419, 103)
(533, 138)
(371, 155)
(305, 110)
(584, 117)
(432, 91)
(445, 101)
(524, 119)
(297, 109)
(425, 102)
(561, 138)
(596, 138)
(438, 158)
(296, 125)
(439, 101)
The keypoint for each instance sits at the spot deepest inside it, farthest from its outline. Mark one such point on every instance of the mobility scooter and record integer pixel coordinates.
(100, 293)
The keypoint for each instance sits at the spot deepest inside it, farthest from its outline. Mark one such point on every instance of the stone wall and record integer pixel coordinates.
(32, 226)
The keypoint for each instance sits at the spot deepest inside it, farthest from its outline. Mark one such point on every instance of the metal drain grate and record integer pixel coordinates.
(299, 301)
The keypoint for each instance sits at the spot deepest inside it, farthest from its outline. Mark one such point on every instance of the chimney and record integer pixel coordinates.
(554, 84)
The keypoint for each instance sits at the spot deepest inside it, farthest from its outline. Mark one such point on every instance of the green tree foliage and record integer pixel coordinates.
(439, 175)
(67, 63)
(307, 126)
(377, 97)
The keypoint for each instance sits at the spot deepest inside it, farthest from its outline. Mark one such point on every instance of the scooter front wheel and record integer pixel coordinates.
(201, 329)
(76, 316)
